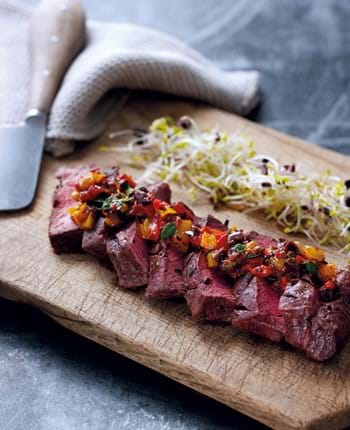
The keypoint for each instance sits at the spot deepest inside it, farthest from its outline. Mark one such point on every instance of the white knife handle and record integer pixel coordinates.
(58, 33)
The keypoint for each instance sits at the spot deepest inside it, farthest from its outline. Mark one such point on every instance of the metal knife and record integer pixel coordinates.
(57, 35)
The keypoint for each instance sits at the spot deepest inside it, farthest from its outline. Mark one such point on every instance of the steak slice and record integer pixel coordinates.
(262, 240)
(343, 284)
(298, 304)
(257, 308)
(329, 329)
(128, 253)
(64, 234)
(94, 241)
(210, 221)
(160, 190)
(209, 294)
(165, 273)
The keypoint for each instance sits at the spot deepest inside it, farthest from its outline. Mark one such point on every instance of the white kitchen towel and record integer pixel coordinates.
(116, 56)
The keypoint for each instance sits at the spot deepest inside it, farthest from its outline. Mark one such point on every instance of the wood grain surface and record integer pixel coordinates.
(272, 383)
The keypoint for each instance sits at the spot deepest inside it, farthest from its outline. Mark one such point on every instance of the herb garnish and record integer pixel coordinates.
(168, 230)
(239, 247)
(311, 267)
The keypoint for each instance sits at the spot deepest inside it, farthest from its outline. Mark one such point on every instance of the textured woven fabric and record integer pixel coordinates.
(117, 56)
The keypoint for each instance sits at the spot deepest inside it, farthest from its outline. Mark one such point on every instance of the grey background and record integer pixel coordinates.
(53, 379)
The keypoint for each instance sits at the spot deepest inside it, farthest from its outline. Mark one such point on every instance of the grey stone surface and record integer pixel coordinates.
(52, 379)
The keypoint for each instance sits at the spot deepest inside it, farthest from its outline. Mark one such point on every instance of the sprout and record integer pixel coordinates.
(228, 171)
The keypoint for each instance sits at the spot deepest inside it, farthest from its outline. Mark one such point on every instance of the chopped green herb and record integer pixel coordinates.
(168, 230)
(311, 267)
(115, 200)
(239, 247)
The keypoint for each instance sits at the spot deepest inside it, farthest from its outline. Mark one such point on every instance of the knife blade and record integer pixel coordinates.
(57, 35)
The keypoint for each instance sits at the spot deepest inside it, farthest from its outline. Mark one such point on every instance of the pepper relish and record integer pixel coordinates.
(112, 196)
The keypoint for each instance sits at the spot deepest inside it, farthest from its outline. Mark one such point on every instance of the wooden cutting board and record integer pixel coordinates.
(272, 383)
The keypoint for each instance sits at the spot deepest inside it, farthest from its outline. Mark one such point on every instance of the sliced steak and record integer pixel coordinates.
(209, 294)
(329, 329)
(262, 240)
(64, 234)
(298, 304)
(257, 308)
(210, 221)
(94, 241)
(160, 190)
(343, 284)
(128, 253)
(165, 272)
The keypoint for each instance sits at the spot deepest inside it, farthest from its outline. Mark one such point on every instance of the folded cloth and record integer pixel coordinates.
(116, 56)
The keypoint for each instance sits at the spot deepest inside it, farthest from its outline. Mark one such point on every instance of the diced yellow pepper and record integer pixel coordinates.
(278, 263)
(98, 177)
(211, 261)
(73, 209)
(180, 240)
(75, 195)
(208, 241)
(313, 253)
(89, 222)
(327, 271)
(168, 211)
(86, 182)
(144, 228)
(250, 246)
(184, 225)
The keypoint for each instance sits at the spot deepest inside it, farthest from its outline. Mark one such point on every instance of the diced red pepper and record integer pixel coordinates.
(254, 262)
(158, 205)
(330, 285)
(139, 209)
(283, 282)
(155, 227)
(182, 209)
(220, 236)
(128, 179)
(279, 253)
(262, 271)
(92, 193)
(196, 238)
(299, 259)
(222, 240)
